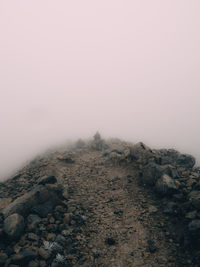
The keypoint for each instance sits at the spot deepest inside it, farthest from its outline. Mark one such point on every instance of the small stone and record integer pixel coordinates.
(191, 215)
(110, 241)
(67, 219)
(151, 246)
(43, 253)
(51, 236)
(33, 264)
(43, 264)
(152, 209)
(33, 237)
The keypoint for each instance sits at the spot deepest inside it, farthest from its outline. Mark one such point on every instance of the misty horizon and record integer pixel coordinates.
(129, 69)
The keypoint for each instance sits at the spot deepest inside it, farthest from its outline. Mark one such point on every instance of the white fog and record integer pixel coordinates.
(129, 69)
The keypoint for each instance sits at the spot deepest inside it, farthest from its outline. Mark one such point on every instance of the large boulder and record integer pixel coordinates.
(172, 156)
(152, 172)
(39, 195)
(14, 226)
(142, 153)
(166, 185)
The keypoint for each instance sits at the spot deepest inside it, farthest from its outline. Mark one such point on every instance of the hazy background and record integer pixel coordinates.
(129, 69)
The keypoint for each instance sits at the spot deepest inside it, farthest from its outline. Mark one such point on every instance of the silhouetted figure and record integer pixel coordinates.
(97, 142)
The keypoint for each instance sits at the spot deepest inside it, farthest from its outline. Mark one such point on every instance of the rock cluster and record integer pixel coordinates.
(176, 181)
(34, 228)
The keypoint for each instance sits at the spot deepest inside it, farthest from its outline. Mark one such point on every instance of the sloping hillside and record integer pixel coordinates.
(102, 203)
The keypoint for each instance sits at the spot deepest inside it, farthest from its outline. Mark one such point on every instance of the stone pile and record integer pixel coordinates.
(35, 228)
(176, 182)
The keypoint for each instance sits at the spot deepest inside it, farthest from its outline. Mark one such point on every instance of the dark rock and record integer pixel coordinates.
(24, 257)
(45, 254)
(166, 185)
(141, 152)
(61, 240)
(194, 199)
(2, 262)
(110, 241)
(185, 160)
(47, 180)
(14, 226)
(33, 264)
(151, 246)
(40, 194)
(194, 226)
(33, 220)
(152, 172)
(43, 209)
(171, 208)
(197, 186)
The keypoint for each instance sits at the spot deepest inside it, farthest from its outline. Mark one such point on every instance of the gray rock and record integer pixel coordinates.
(166, 185)
(24, 257)
(14, 226)
(39, 195)
(47, 180)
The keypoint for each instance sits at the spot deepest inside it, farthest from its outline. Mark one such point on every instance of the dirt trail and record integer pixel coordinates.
(124, 227)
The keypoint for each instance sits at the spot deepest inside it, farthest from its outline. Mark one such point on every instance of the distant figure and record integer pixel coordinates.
(97, 142)
(97, 136)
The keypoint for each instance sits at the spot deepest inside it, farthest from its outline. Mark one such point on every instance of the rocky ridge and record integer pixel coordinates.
(102, 203)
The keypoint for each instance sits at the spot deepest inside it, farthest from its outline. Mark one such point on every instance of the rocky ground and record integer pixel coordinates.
(102, 203)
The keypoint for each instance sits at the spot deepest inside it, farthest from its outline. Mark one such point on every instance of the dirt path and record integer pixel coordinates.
(124, 227)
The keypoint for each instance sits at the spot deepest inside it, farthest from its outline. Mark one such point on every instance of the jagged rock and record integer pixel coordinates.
(47, 180)
(14, 226)
(185, 160)
(39, 195)
(166, 185)
(24, 257)
(141, 153)
(194, 198)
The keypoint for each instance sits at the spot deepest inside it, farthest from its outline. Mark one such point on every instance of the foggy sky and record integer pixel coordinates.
(129, 69)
